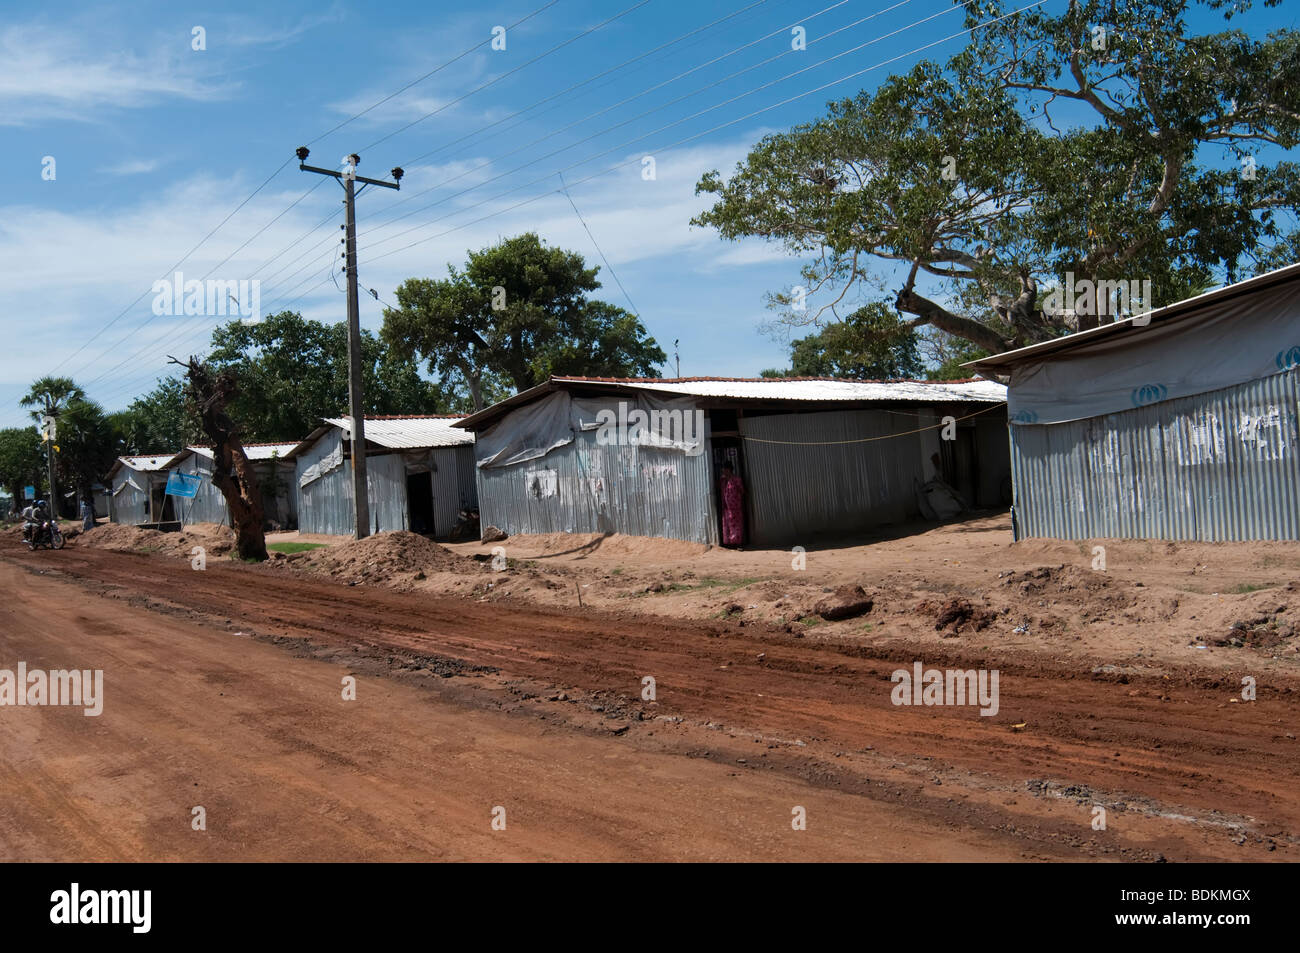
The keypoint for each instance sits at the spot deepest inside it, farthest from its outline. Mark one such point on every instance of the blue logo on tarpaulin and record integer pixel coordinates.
(183, 484)
(1149, 394)
(1289, 358)
(1026, 417)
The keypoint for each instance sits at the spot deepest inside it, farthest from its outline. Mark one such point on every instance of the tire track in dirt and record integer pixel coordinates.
(1178, 743)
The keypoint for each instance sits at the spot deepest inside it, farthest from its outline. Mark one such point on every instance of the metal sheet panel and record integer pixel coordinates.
(1218, 466)
(208, 505)
(603, 488)
(797, 489)
(815, 390)
(130, 502)
(409, 433)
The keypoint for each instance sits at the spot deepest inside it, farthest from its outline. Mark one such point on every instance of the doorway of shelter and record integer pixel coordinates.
(730, 450)
(419, 502)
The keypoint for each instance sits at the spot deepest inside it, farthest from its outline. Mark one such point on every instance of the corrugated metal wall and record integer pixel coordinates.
(797, 491)
(603, 489)
(1216, 466)
(130, 503)
(453, 485)
(208, 505)
(325, 505)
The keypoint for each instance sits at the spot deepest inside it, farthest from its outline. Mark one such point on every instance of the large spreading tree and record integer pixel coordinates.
(293, 371)
(1109, 141)
(517, 314)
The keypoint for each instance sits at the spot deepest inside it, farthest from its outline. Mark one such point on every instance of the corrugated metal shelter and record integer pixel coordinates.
(1182, 423)
(419, 472)
(275, 475)
(817, 457)
(137, 495)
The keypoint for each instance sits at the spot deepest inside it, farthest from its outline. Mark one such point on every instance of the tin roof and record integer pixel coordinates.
(801, 389)
(397, 432)
(1188, 307)
(152, 461)
(141, 462)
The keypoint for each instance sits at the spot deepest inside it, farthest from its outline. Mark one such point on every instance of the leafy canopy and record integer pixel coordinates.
(292, 372)
(1106, 140)
(517, 314)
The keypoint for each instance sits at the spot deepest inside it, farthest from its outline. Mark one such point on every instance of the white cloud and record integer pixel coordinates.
(133, 167)
(46, 74)
(78, 271)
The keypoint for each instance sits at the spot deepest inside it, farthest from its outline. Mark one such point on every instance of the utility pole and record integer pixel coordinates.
(356, 405)
(49, 425)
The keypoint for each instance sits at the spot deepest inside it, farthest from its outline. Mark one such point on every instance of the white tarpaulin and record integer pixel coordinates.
(323, 466)
(533, 431)
(1241, 340)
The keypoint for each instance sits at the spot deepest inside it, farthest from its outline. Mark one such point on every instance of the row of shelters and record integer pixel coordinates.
(1181, 423)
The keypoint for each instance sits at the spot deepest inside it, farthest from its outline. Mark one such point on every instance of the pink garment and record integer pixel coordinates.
(733, 511)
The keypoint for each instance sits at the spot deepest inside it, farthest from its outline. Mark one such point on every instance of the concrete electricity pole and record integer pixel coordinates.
(49, 424)
(356, 405)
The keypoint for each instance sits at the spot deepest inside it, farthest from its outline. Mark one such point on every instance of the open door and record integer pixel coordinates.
(419, 502)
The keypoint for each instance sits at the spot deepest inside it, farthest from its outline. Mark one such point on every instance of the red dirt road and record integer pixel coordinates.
(465, 705)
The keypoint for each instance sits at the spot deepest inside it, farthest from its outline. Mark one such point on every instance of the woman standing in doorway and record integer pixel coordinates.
(733, 507)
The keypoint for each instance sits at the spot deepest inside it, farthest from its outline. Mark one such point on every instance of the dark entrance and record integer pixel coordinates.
(959, 464)
(419, 502)
(729, 450)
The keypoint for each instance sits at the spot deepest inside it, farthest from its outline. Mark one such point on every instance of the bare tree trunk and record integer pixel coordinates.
(232, 474)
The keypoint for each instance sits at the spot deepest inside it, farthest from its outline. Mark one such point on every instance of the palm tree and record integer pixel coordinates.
(51, 395)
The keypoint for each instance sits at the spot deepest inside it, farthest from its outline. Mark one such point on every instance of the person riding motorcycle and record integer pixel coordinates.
(34, 516)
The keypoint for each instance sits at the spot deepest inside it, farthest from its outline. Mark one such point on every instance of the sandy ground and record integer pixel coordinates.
(1155, 604)
(285, 769)
(490, 678)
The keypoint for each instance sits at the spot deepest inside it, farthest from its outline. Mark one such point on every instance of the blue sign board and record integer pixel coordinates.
(183, 484)
(29, 492)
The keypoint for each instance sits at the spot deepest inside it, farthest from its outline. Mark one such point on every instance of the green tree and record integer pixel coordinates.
(955, 179)
(517, 314)
(292, 372)
(870, 344)
(161, 420)
(49, 395)
(87, 445)
(21, 460)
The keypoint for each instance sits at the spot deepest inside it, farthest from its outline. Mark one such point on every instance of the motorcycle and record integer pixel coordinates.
(46, 535)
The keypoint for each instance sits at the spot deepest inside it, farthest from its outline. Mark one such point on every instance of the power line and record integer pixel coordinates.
(715, 128)
(686, 139)
(677, 122)
(421, 79)
(535, 59)
(598, 248)
(622, 102)
(493, 82)
(278, 170)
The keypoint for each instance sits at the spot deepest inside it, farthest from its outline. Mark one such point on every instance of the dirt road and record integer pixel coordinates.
(466, 705)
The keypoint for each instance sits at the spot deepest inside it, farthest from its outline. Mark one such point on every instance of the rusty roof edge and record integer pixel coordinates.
(1069, 342)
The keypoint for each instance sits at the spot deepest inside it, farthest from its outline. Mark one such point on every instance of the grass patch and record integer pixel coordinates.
(293, 547)
(1246, 587)
(811, 620)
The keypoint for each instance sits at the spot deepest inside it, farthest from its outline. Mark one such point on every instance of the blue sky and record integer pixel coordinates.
(154, 143)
